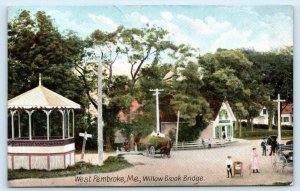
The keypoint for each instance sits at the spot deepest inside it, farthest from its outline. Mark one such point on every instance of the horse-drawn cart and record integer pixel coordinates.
(156, 145)
(283, 157)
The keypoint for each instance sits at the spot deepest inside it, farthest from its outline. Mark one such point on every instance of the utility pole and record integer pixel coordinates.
(177, 128)
(157, 107)
(278, 100)
(100, 120)
(96, 58)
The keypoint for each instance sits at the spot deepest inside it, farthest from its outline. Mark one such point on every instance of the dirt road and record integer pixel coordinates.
(197, 167)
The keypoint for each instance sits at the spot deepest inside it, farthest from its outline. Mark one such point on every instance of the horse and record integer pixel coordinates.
(166, 148)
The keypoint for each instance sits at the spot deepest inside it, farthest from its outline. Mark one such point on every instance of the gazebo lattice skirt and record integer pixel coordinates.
(41, 154)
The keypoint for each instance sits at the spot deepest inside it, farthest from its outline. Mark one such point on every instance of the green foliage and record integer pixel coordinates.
(142, 124)
(256, 134)
(196, 84)
(154, 141)
(35, 46)
(190, 107)
(276, 69)
(274, 127)
(189, 133)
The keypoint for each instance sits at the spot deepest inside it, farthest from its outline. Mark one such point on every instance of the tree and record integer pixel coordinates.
(35, 46)
(276, 70)
(229, 75)
(143, 46)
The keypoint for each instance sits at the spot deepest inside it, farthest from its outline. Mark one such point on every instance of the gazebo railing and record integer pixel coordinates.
(40, 141)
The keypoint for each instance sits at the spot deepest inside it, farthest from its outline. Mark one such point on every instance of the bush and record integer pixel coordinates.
(187, 133)
(263, 134)
(262, 126)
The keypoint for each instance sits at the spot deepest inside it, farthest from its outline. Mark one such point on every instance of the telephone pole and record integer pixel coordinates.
(157, 107)
(278, 100)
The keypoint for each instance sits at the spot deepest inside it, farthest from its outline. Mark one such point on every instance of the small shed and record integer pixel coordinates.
(223, 123)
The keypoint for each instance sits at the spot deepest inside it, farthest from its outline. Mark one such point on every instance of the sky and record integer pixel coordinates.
(206, 27)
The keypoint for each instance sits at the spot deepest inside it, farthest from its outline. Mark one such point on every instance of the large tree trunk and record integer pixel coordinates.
(240, 124)
(248, 123)
(270, 120)
(236, 125)
(107, 138)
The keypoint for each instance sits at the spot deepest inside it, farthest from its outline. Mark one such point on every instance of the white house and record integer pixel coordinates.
(262, 118)
(286, 116)
(223, 124)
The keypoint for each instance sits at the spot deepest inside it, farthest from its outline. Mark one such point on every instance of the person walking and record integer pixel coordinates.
(223, 135)
(209, 143)
(229, 166)
(254, 161)
(263, 145)
(274, 144)
(203, 143)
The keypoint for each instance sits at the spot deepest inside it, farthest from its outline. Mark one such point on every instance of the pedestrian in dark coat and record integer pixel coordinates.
(274, 144)
(263, 145)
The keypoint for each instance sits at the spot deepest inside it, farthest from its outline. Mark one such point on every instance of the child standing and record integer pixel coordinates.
(229, 166)
(254, 161)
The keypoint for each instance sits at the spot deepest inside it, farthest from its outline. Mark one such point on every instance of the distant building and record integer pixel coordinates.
(135, 105)
(223, 124)
(263, 117)
(286, 116)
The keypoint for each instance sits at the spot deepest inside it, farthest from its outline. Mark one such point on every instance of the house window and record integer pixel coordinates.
(264, 111)
(285, 119)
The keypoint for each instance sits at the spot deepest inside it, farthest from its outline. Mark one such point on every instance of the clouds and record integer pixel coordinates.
(212, 32)
(206, 28)
(104, 22)
(167, 15)
(136, 18)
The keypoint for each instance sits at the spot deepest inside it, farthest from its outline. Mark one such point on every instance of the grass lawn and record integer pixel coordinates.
(111, 164)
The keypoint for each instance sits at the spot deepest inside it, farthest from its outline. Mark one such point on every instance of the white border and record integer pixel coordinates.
(3, 73)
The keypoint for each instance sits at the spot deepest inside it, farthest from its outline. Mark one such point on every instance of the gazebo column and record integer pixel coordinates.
(68, 111)
(29, 114)
(63, 123)
(73, 118)
(48, 112)
(19, 124)
(12, 113)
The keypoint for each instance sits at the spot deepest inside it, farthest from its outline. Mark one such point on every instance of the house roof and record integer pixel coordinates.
(228, 108)
(287, 108)
(135, 105)
(41, 98)
(230, 111)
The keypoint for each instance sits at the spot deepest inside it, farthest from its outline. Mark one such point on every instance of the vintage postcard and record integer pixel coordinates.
(150, 96)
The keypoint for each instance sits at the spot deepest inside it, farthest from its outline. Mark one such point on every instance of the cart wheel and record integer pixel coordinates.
(274, 165)
(282, 163)
(152, 151)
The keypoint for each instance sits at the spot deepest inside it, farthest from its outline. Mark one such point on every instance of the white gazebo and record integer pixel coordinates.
(41, 152)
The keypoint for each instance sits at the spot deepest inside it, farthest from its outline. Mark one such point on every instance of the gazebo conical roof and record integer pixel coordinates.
(41, 98)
